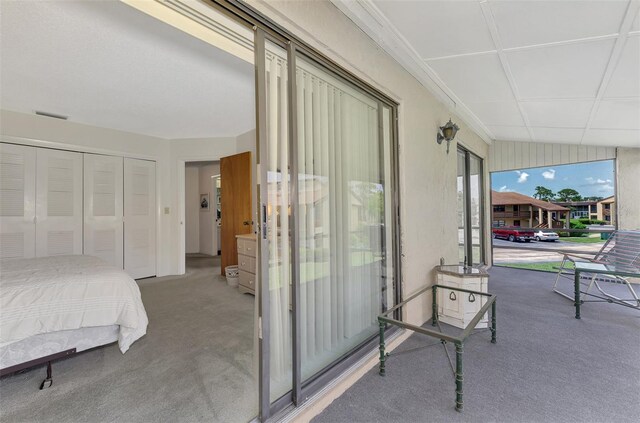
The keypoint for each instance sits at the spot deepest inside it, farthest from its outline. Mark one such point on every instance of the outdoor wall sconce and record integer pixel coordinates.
(447, 133)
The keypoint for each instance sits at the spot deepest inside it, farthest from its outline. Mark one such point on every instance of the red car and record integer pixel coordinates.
(513, 234)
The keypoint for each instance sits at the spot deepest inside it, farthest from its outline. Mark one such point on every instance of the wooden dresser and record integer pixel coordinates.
(247, 263)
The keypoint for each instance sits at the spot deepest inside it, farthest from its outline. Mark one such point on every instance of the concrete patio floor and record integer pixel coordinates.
(546, 367)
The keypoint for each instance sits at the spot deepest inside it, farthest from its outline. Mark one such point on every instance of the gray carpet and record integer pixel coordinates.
(194, 364)
(546, 367)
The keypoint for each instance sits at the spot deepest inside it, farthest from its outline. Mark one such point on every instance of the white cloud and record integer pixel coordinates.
(505, 189)
(602, 185)
(522, 176)
(549, 174)
(593, 181)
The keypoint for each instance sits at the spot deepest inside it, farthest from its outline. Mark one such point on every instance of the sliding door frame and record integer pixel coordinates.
(267, 30)
(468, 230)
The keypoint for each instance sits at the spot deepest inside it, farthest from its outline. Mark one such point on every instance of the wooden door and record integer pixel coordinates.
(58, 202)
(139, 218)
(103, 198)
(235, 204)
(17, 201)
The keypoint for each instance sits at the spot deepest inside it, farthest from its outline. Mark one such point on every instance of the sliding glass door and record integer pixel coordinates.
(341, 211)
(469, 216)
(327, 219)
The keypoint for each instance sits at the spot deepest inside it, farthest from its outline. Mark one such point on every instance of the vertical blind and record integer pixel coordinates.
(341, 204)
(342, 177)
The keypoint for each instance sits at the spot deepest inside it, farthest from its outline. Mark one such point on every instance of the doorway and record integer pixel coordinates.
(201, 209)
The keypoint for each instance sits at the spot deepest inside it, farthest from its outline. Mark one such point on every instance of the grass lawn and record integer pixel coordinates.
(583, 239)
(545, 267)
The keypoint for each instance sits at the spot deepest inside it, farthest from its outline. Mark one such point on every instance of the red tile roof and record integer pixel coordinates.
(512, 198)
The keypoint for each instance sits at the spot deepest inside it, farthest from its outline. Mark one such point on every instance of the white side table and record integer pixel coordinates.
(458, 308)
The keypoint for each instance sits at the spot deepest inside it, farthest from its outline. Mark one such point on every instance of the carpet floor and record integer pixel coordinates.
(194, 364)
(546, 367)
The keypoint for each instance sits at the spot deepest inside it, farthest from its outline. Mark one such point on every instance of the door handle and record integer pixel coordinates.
(247, 222)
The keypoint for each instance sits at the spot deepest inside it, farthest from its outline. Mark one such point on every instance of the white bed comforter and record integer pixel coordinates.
(50, 294)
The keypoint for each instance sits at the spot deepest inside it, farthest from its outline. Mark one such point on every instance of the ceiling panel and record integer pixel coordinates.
(439, 28)
(510, 133)
(618, 114)
(523, 23)
(636, 24)
(562, 71)
(565, 135)
(504, 113)
(625, 81)
(477, 78)
(558, 114)
(109, 65)
(613, 137)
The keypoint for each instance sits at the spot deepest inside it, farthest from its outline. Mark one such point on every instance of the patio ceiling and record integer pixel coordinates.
(542, 71)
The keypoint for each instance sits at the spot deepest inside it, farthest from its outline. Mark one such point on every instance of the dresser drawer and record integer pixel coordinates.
(250, 247)
(246, 263)
(248, 280)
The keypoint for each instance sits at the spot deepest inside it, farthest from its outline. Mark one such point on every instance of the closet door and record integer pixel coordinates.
(103, 198)
(58, 202)
(17, 201)
(139, 218)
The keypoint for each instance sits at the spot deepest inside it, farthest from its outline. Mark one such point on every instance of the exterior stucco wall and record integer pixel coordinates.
(628, 188)
(427, 173)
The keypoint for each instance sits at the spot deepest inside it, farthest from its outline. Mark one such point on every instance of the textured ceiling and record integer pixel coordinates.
(106, 64)
(546, 71)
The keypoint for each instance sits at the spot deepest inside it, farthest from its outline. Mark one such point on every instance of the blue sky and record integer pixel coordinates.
(589, 179)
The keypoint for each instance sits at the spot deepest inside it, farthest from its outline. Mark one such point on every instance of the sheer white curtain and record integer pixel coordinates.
(341, 205)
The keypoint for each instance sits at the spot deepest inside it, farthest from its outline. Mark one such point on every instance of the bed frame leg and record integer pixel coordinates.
(49, 380)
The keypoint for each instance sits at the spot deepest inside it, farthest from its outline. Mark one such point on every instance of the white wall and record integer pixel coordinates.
(54, 133)
(208, 238)
(170, 157)
(192, 209)
(628, 188)
(510, 155)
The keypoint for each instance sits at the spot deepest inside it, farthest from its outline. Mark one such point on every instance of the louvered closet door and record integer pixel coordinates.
(139, 218)
(58, 203)
(103, 211)
(17, 201)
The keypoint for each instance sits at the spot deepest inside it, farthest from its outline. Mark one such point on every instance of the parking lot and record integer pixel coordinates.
(534, 251)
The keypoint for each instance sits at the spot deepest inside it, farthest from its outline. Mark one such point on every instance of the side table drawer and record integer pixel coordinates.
(246, 263)
(248, 280)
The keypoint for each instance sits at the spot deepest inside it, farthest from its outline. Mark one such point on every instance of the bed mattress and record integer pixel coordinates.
(64, 293)
(45, 344)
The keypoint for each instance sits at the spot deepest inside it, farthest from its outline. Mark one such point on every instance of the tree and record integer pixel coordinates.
(543, 193)
(568, 194)
(593, 198)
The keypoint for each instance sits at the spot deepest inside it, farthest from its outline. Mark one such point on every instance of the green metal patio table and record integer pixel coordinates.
(458, 341)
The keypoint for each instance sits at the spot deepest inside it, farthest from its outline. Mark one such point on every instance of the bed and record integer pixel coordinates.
(53, 307)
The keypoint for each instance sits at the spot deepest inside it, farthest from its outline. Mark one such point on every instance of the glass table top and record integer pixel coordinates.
(459, 270)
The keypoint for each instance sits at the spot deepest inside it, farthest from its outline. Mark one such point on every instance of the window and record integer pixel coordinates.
(516, 223)
(470, 217)
(516, 208)
(498, 208)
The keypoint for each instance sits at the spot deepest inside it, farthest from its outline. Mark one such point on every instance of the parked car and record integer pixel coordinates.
(513, 234)
(546, 236)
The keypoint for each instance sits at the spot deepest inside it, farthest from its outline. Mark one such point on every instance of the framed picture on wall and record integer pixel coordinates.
(204, 202)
